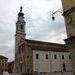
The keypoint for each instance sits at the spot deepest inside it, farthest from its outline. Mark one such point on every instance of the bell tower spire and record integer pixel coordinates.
(21, 13)
(20, 25)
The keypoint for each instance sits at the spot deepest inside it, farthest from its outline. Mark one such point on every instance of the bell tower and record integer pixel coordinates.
(69, 15)
(20, 29)
(19, 39)
(23, 54)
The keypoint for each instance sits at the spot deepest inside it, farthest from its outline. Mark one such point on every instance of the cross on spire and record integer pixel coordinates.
(21, 9)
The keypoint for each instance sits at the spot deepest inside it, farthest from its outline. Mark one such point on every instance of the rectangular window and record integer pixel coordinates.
(37, 56)
(46, 56)
(55, 56)
(62, 56)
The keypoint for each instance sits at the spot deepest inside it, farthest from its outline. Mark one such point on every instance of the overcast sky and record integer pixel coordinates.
(39, 25)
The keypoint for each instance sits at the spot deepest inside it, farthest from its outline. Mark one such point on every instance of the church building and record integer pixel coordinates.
(32, 56)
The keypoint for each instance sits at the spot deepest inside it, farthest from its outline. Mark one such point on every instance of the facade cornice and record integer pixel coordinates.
(70, 41)
(69, 11)
(39, 48)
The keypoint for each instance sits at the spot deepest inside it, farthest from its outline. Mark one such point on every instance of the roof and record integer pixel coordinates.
(43, 42)
(12, 62)
(3, 57)
(47, 46)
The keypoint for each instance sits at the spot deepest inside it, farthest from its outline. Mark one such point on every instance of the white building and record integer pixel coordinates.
(50, 61)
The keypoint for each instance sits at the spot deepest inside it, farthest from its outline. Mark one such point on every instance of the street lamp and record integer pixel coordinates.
(53, 17)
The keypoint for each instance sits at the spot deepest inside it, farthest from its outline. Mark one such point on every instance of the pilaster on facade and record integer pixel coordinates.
(71, 44)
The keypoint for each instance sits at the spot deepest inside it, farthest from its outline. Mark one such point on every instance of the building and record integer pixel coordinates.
(69, 15)
(3, 63)
(32, 56)
(10, 66)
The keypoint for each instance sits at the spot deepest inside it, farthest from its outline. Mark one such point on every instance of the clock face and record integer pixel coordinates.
(69, 19)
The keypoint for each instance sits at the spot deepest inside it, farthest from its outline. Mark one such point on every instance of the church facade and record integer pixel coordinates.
(32, 56)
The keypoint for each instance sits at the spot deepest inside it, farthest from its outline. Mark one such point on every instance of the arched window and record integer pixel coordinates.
(21, 26)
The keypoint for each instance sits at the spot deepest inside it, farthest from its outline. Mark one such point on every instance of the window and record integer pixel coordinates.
(27, 56)
(2, 64)
(28, 70)
(21, 26)
(64, 67)
(46, 56)
(5, 64)
(62, 56)
(55, 56)
(37, 56)
(69, 57)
